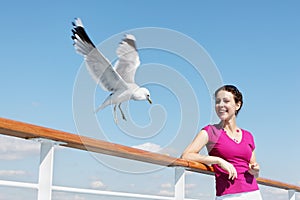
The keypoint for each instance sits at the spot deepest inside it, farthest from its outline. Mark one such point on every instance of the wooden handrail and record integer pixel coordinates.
(28, 131)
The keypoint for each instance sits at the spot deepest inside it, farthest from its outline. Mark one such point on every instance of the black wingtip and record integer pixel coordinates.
(79, 30)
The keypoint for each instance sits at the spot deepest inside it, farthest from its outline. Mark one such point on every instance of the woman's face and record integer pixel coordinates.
(225, 105)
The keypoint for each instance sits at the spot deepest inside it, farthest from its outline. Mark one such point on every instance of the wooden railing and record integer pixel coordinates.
(29, 131)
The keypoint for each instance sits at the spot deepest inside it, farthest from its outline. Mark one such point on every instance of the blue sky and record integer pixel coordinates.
(254, 45)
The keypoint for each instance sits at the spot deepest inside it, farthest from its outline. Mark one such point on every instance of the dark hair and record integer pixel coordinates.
(237, 95)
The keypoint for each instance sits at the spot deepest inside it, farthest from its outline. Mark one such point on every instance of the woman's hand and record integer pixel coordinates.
(254, 169)
(228, 167)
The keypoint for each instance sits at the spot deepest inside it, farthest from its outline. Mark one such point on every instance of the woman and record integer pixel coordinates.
(230, 149)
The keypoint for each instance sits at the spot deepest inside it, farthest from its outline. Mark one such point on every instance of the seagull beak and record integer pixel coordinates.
(149, 100)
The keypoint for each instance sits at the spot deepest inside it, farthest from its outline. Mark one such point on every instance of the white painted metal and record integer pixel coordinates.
(18, 184)
(292, 195)
(179, 183)
(109, 193)
(46, 169)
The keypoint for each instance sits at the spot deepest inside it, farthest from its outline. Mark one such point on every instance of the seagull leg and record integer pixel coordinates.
(123, 116)
(115, 114)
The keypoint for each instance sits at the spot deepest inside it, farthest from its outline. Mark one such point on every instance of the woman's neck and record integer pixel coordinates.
(229, 125)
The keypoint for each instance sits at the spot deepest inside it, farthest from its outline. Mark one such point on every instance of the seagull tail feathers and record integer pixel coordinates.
(100, 108)
(82, 43)
(106, 102)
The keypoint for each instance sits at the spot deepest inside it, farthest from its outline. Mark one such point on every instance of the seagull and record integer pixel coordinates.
(117, 79)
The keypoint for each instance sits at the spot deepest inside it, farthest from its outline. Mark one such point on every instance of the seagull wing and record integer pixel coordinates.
(129, 60)
(98, 66)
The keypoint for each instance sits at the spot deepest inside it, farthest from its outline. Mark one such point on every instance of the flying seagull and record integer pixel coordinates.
(119, 80)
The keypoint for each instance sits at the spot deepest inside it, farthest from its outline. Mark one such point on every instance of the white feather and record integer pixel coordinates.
(118, 80)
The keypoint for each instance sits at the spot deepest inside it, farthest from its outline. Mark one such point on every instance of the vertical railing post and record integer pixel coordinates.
(292, 194)
(179, 183)
(45, 169)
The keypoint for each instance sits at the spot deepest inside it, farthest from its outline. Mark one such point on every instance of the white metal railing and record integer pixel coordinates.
(47, 152)
(45, 187)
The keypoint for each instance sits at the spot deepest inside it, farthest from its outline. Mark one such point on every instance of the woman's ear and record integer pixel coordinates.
(238, 106)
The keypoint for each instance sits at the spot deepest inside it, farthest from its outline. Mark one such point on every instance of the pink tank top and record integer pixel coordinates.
(239, 154)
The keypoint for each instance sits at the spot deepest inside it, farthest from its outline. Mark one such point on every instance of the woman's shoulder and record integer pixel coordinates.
(212, 127)
(248, 137)
(213, 131)
(247, 132)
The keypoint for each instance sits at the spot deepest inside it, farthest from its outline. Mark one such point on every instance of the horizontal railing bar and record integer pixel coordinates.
(28, 131)
(85, 191)
(108, 193)
(18, 184)
(277, 184)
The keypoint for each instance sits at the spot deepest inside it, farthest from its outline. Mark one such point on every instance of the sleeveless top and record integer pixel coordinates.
(239, 154)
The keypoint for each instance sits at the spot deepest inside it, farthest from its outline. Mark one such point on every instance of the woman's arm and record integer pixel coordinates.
(192, 153)
(254, 166)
